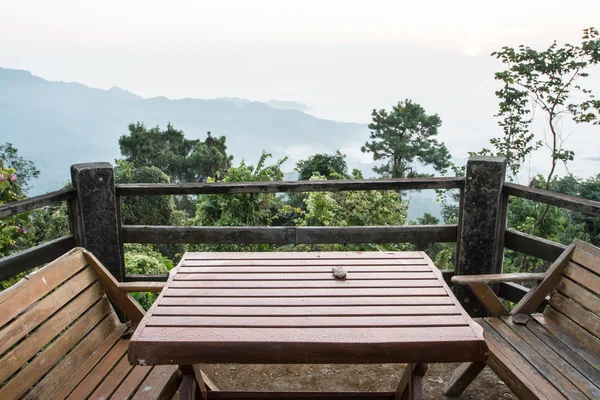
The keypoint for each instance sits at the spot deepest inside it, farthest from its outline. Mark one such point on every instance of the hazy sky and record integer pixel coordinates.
(341, 58)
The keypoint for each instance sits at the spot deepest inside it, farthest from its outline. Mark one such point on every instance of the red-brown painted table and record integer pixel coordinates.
(269, 308)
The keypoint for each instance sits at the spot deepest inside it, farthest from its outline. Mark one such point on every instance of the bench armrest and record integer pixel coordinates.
(141, 286)
(497, 278)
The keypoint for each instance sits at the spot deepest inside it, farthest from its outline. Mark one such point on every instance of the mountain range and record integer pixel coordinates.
(56, 124)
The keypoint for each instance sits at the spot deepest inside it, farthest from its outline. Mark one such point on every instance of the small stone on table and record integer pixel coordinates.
(339, 272)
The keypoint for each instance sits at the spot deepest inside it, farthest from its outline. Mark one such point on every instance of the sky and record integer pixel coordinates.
(341, 58)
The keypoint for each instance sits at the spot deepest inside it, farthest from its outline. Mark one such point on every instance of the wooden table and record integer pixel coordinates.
(274, 308)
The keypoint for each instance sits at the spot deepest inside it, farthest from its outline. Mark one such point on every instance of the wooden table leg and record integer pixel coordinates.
(410, 387)
(192, 387)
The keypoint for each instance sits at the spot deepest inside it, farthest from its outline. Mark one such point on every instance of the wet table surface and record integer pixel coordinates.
(290, 308)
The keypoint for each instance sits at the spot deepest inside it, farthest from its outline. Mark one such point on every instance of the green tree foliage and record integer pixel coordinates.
(331, 166)
(27, 170)
(146, 210)
(403, 136)
(548, 81)
(145, 259)
(183, 160)
(360, 208)
(253, 209)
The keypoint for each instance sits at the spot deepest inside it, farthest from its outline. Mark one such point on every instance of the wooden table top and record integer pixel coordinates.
(289, 308)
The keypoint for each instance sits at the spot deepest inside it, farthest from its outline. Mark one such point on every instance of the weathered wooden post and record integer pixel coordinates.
(96, 221)
(483, 225)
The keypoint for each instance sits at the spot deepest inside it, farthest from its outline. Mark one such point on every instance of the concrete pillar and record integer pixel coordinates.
(95, 222)
(483, 225)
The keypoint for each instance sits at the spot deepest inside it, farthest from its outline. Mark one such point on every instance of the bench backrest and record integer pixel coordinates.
(61, 309)
(575, 302)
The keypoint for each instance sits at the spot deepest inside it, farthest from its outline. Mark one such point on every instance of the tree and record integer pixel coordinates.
(357, 208)
(146, 210)
(403, 136)
(331, 166)
(183, 160)
(27, 170)
(252, 209)
(546, 81)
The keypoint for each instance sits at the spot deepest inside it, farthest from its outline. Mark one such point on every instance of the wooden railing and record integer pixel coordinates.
(94, 204)
(43, 253)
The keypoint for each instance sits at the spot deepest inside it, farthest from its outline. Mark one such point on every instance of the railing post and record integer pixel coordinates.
(483, 225)
(96, 216)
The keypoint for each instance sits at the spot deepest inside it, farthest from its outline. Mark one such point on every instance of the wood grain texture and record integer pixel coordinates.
(162, 189)
(301, 292)
(543, 369)
(110, 285)
(291, 275)
(130, 384)
(44, 308)
(36, 285)
(38, 367)
(288, 235)
(536, 295)
(73, 367)
(97, 374)
(26, 349)
(357, 301)
(520, 376)
(161, 384)
(497, 278)
(584, 344)
(588, 207)
(532, 245)
(580, 295)
(31, 203)
(340, 310)
(578, 314)
(551, 357)
(489, 299)
(141, 286)
(262, 316)
(35, 256)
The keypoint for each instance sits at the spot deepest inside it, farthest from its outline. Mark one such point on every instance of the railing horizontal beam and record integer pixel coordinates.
(289, 235)
(16, 207)
(146, 277)
(532, 245)
(35, 256)
(161, 189)
(573, 203)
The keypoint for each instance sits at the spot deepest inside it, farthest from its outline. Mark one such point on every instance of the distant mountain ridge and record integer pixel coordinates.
(56, 124)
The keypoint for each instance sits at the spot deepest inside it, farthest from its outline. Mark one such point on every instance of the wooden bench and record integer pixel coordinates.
(60, 337)
(553, 355)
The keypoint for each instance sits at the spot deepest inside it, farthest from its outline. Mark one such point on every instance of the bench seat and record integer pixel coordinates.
(60, 337)
(552, 355)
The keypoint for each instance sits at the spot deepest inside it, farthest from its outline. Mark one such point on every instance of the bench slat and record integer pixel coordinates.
(565, 351)
(538, 368)
(161, 383)
(22, 295)
(113, 380)
(513, 370)
(571, 334)
(587, 320)
(37, 368)
(100, 371)
(23, 352)
(583, 276)
(129, 386)
(44, 308)
(580, 295)
(552, 358)
(66, 369)
(88, 365)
